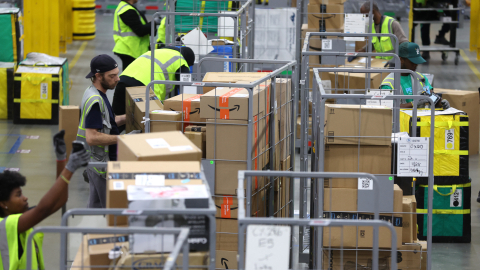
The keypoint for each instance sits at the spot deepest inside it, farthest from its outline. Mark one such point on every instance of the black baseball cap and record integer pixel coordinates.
(100, 64)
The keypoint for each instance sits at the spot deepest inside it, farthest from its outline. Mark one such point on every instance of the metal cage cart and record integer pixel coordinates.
(320, 255)
(450, 8)
(204, 223)
(119, 235)
(325, 137)
(222, 29)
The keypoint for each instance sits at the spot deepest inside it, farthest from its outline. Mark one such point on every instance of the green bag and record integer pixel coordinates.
(185, 24)
(11, 44)
(451, 212)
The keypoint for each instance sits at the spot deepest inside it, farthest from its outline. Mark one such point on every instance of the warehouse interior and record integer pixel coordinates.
(34, 156)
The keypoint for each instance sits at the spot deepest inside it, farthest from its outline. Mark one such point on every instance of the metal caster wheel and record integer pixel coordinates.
(444, 56)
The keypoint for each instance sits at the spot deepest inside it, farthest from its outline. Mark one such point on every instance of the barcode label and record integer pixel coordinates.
(326, 44)
(365, 184)
(118, 185)
(44, 91)
(185, 77)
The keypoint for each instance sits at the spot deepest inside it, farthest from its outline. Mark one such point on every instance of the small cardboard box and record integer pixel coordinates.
(325, 17)
(231, 77)
(424, 254)
(189, 104)
(123, 174)
(157, 261)
(230, 103)
(197, 139)
(374, 159)
(159, 146)
(226, 259)
(69, 117)
(99, 246)
(362, 259)
(413, 222)
(344, 120)
(137, 94)
(347, 80)
(466, 101)
(407, 236)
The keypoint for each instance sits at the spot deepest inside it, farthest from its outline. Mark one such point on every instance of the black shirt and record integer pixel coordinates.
(94, 120)
(131, 18)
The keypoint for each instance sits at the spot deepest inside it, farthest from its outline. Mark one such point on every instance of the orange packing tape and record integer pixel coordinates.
(187, 107)
(226, 207)
(223, 102)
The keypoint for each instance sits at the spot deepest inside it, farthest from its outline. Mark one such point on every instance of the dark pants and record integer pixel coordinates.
(126, 60)
(98, 190)
(425, 33)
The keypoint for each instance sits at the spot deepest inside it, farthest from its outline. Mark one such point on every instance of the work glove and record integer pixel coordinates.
(77, 160)
(390, 64)
(351, 58)
(60, 146)
(134, 132)
(445, 104)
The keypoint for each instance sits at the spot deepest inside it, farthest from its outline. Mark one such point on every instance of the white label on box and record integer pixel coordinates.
(158, 143)
(44, 91)
(180, 148)
(240, 95)
(456, 198)
(118, 185)
(377, 95)
(355, 23)
(365, 183)
(164, 112)
(185, 77)
(326, 44)
(189, 89)
(268, 247)
(450, 139)
(412, 156)
(149, 180)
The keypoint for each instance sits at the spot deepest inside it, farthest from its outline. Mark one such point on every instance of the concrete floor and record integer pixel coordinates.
(39, 165)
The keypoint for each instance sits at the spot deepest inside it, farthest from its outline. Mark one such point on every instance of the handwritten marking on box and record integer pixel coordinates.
(413, 153)
(268, 247)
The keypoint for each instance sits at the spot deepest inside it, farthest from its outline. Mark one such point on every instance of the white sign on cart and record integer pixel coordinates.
(413, 153)
(268, 247)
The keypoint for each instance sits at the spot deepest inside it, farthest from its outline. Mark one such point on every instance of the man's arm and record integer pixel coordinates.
(97, 138)
(120, 119)
(131, 18)
(398, 31)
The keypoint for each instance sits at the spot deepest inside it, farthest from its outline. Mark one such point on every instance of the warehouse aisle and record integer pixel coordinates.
(39, 164)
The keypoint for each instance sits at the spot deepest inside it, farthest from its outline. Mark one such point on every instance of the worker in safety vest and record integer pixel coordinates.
(98, 127)
(385, 25)
(17, 219)
(170, 62)
(410, 58)
(131, 32)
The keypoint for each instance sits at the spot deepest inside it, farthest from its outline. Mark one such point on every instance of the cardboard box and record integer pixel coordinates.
(136, 108)
(189, 104)
(231, 77)
(408, 212)
(325, 17)
(397, 199)
(226, 259)
(424, 254)
(120, 175)
(413, 227)
(299, 126)
(466, 101)
(199, 131)
(159, 146)
(340, 199)
(99, 245)
(69, 117)
(345, 158)
(156, 261)
(284, 100)
(410, 255)
(227, 206)
(327, 2)
(230, 103)
(197, 139)
(137, 94)
(344, 120)
(227, 234)
(357, 80)
(82, 259)
(285, 183)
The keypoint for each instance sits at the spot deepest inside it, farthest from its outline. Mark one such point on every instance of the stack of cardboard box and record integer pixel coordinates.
(357, 80)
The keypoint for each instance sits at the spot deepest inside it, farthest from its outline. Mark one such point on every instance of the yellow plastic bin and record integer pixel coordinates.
(83, 19)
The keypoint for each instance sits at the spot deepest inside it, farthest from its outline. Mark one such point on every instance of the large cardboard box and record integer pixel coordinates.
(226, 259)
(357, 80)
(159, 146)
(227, 234)
(410, 255)
(137, 94)
(156, 261)
(325, 17)
(227, 205)
(230, 103)
(424, 254)
(99, 246)
(408, 212)
(339, 199)
(189, 104)
(348, 158)
(466, 101)
(374, 123)
(69, 117)
(284, 100)
(231, 77)
(327, 2)
(413, 226)
(198, 135)
(120, 175)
